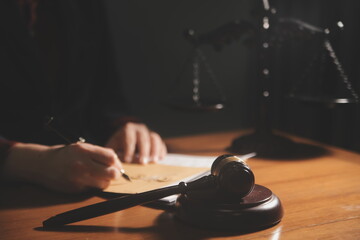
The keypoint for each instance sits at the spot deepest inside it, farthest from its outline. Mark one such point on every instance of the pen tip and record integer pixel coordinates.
(126, 177)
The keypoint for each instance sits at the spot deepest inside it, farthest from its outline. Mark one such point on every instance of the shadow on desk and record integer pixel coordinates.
(166, 227)
(296, 151)
(274, 146)
(22, 195)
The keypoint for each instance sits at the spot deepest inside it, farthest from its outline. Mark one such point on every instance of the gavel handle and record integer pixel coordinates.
(121, 203)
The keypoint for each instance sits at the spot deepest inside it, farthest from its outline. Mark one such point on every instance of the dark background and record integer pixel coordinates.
(151, 51)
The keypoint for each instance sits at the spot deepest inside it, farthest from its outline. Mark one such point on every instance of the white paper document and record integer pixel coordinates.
(183, 160)
(175, 159)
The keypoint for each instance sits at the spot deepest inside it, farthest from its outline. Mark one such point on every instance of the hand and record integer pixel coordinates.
(136, 137)
(73, 168)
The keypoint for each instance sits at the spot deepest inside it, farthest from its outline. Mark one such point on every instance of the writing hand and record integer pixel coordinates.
(135, 138)
(67, 168)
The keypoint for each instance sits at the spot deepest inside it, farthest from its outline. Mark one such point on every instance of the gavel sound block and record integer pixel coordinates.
(207, 209)
(227, 199)
(236, 203)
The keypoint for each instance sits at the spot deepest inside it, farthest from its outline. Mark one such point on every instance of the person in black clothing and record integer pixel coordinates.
(56, 60)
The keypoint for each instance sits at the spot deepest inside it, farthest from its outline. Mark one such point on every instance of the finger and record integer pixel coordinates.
(156, 147)
(100, 171)
(163, 151)
(105, 156)
(129, 142)
(82, 181)
(118, 164)
(143, 141)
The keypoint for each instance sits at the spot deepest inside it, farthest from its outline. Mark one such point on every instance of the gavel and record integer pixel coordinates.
(227, 199)
(230, 177)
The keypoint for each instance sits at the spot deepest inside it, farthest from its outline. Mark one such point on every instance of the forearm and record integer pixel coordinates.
(24, 162)
(72, 168)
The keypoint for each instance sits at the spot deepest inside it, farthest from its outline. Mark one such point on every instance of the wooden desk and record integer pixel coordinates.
(320, 196)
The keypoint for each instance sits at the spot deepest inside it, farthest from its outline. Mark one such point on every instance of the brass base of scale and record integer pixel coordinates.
(209, 209)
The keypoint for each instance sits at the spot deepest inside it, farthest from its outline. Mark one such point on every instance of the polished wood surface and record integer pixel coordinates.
(320, 196)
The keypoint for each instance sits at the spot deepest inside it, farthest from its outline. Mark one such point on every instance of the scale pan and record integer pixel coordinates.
(324, 100)
(201, 106)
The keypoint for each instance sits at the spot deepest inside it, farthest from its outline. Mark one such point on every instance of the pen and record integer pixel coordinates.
(80, 139)
(124, 175)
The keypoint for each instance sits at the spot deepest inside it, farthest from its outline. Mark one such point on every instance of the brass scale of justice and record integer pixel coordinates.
(274, 33)
(228, 199)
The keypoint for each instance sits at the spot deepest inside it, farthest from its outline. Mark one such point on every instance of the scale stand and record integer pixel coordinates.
(263, 141)
(268, 144)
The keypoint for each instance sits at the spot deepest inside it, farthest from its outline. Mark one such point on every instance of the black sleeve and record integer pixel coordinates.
(109, 106)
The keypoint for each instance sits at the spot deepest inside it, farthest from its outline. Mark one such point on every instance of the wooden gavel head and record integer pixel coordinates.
(234, 177)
